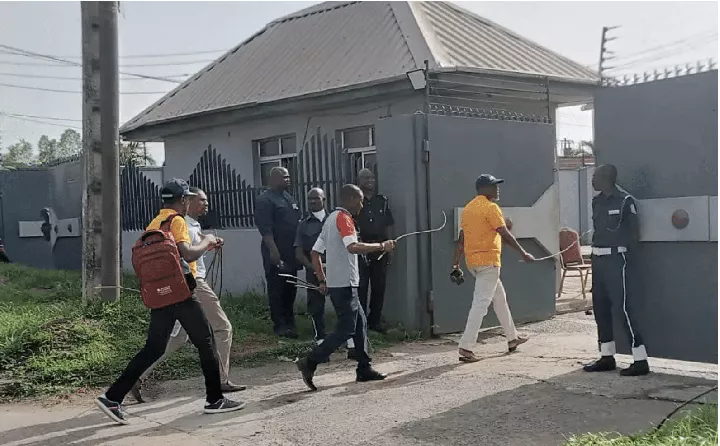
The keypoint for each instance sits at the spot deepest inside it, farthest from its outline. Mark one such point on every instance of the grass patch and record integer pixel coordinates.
(698, 427)
(52, 342)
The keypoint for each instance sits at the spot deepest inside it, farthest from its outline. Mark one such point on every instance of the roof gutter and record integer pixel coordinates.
(515, 74)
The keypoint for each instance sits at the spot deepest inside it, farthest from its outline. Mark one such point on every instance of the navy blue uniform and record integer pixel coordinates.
(615, 226)
(373, 223)
(307, 233)
(277, 214)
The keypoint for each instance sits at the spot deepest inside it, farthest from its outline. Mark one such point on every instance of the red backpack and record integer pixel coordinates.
(159, 267)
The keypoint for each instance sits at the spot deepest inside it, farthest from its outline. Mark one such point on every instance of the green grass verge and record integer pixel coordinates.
(52, 342)
(698, 427)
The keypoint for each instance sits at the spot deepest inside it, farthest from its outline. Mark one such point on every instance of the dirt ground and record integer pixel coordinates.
(536, 396)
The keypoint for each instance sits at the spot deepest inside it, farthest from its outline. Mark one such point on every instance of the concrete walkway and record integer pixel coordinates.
(536, 396)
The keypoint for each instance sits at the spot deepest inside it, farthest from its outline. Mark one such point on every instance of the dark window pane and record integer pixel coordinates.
(356, 138)
(289, 145)
(370, 161)
(269, 147)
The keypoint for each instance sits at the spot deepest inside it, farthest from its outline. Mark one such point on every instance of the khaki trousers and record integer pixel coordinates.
(222, 330)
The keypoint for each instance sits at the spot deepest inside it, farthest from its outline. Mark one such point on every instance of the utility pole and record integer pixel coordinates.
(110, 141)
(605, 54)
(101, 239)
(92, 152)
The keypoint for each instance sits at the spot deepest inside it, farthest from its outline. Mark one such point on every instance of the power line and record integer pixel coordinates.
(53, 90)
(35, 55)
(659, 56)
(41, 76)
(18, 115)
(42, 122)
(58, 65)
(147, 56)
(704, 35)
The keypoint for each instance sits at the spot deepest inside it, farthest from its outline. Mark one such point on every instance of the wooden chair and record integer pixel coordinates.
(572, 259)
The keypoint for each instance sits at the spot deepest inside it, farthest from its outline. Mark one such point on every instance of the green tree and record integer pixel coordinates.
(132, 152)
(70, 144)
(47, 149)
(18, 155)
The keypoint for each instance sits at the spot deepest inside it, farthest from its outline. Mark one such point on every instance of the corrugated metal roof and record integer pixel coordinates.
(343, 44)
(470, 41)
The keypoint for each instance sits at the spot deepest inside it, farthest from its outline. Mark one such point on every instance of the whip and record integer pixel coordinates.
(427, 231)
(560, 252)
(214, 272)
(298, 282)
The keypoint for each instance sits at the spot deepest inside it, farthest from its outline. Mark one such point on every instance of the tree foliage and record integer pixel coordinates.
(135, 153)
(18, 155)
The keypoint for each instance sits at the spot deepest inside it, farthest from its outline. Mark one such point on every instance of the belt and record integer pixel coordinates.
(607, 251)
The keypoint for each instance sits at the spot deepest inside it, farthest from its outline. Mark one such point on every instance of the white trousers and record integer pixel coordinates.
(488, 289)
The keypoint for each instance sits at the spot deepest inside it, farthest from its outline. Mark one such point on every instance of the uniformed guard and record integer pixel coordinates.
(375, 224)
(277, 215)
(615, 234)
(307, 233)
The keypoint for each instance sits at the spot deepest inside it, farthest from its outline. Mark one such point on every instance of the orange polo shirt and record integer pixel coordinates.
(178, 228)
(480, 221)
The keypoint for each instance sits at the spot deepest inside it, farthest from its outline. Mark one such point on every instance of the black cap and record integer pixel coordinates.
(175, 188)
(487, 180)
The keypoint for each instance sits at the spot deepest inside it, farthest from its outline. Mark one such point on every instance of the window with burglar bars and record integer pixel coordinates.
(278, 151)
(359, 145)
(231, 199)
(319, 164)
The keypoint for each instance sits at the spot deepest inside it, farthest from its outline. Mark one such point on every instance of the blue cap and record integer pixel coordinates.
(487, 180)
(176, 188)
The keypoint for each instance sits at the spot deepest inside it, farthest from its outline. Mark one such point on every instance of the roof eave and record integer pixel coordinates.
(539, 76)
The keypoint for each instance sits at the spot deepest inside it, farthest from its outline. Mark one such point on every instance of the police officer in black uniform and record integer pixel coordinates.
(277, 215)
(615, 234)
(375, 224)
(307, 233)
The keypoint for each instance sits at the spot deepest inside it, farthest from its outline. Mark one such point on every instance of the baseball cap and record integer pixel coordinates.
(176, 187)
(487, 180)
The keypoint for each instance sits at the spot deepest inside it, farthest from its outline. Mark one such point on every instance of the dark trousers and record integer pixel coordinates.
(281, 297)
(611, 294)
(373, 274)
(351, 323)
(316, 306)
(162, 321)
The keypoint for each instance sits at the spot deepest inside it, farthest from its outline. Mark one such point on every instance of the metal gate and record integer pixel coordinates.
(661, 134)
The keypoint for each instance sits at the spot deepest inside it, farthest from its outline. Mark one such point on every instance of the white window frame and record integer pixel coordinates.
(276, 160)
(363, 151)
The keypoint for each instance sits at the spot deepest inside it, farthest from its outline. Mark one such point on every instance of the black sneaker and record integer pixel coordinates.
(369, 374)
(308, 372)
(604, 364)
(378, 328)
(352, 354)
(637, 368)
(224, 405)
(112, 409)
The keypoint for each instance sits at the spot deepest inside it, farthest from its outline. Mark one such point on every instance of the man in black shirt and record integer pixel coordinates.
(375, 224)
(307, 233)
(277, 215)
(615, 234)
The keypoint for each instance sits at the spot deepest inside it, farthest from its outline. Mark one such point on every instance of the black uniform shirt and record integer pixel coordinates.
(278, 214)
(307, 233)
(614, 219)
(374, 219)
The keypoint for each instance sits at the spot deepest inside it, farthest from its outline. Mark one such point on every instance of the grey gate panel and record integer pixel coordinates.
(662, 136)
(523, 154)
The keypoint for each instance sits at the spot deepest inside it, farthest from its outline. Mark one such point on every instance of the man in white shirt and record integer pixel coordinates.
(210, 303)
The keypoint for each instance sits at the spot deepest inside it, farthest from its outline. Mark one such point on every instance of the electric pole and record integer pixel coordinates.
(101, 240)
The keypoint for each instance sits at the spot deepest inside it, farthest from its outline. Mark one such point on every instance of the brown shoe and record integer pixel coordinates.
(513, 344)
(230, 387)
(467, 356)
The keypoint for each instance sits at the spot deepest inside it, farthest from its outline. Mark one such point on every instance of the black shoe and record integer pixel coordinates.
(307, 370)
(112, 409)
(135, 392)
(352, 354)
(224, 405)
(378, 328)
(604, 364)
(369, 374)
(637, 368)
(229, 387)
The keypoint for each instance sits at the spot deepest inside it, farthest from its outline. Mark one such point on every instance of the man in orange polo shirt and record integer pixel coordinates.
(483, 229)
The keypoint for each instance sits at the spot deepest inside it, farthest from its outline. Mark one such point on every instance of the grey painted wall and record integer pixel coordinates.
(576, 200)
(462, 149)
(662, 136)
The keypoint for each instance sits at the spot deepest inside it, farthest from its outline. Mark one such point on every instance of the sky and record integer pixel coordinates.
(651, 35)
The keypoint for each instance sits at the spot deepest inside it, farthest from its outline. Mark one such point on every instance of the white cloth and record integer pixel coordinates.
(320, 215)
(194, 230)
(488, 288)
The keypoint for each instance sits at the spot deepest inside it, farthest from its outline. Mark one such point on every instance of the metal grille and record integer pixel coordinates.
(320, 163)
(139, 199)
